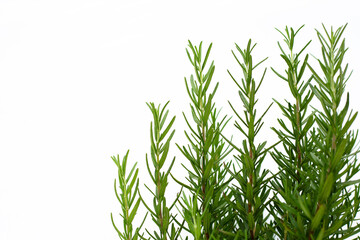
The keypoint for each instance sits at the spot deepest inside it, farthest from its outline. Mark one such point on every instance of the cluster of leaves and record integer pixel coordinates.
(294, 164)
(317, 196)
(335, 204)
(314, 195)
(204, 213)
(160, 212)
(128, 198)
(251, 192)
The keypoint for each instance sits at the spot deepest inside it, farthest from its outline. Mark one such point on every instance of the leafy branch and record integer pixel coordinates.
(128, 199)
(251, 192)
(160, 145)
(292, 182)
(205, 152)
(337, 200)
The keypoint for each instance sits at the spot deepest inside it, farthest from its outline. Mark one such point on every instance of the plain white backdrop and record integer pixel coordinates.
(74, 79)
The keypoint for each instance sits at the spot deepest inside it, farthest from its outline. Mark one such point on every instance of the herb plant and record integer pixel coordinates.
(205, 153)
(128, 198)
(251, 192)
(159, 149)
(292, 182)
(315, 195)
(334, 207)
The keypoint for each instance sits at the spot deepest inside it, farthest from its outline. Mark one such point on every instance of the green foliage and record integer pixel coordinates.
(251, 191)
(315, 195)
(291, 185)
(205, 152)
(337, 190)
(160, 144)
(128, 199)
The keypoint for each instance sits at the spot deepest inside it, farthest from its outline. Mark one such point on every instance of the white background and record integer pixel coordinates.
(74, 79)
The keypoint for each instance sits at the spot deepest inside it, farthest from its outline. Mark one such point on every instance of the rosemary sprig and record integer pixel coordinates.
(251, 192)
(336, 203)
(205, 152)
(292, 183)
(128, 199)
(160, 145)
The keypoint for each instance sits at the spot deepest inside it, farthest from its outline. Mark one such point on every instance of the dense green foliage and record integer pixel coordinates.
(315, 195)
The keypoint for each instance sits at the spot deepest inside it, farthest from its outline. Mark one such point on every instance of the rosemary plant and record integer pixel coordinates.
(316, 193)
(333, 208)
(128, 199)
(292, 181)
(206, 181)
(160, 144)
(251, 192)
